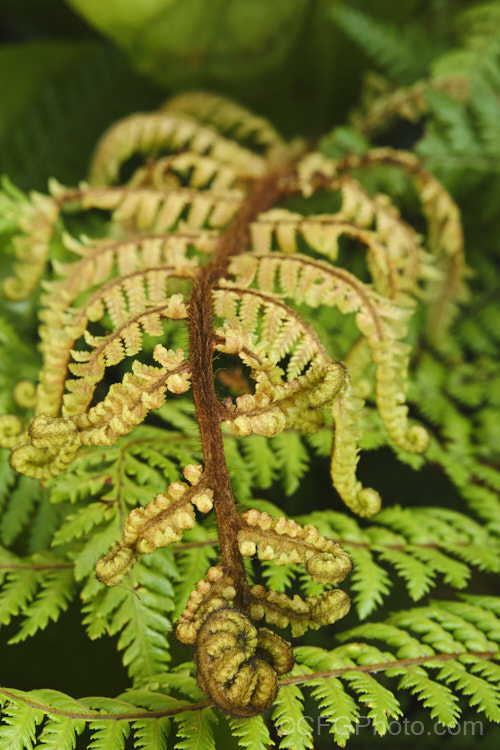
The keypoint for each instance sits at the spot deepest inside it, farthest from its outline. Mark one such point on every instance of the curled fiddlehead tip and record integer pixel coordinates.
(47, 448)
(25, 394)
(325, 568)
(369, 502)
(238, 665)
(418, 439)
(11, 429)
(114, 566)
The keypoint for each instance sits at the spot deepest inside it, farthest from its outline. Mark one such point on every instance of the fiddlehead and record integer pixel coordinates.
(238, 665)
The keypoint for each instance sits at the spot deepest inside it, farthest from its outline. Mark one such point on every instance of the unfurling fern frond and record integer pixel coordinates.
(201, 246)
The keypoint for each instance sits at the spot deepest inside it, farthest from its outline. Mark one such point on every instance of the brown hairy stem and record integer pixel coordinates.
(202, 342)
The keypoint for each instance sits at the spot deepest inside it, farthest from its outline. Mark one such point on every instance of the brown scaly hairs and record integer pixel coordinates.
(200, 233)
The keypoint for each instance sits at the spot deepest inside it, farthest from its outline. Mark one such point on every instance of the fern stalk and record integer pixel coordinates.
(201, 339)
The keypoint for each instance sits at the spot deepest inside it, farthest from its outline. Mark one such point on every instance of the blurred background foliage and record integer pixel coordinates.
(69, 69)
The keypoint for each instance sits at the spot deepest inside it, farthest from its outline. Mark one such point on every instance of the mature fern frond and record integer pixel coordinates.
(456, 104)
(142, 620)
(38, 588)
(457, 644)
(403, 53)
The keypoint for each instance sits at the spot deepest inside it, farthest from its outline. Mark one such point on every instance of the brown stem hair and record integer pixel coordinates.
(233, 241)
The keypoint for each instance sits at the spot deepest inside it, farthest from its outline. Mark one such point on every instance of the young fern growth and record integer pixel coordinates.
(200, 234)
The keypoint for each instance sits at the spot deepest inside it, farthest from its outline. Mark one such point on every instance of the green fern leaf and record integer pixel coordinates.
(439, 698)
(262, 460)
(139, 617)
(109, 735)
(60, 733)
(24, 712)
(151, 734)
(419, 579)
(370, 582)
(57, 588)
(289, 720)
(419, 542)
(43, 526)
(488, 670)
(480, 693)
(382, 703)
(20, 507)
(336, 706)
(252, 733)
(321, 442)
(23, 578)
(81, 522)
(455, 573)
(16, 594)
(484, 557)
(18, 731)
(403, 53)
(279, 577)
(408, 647)
(196, 728)
(293, 459)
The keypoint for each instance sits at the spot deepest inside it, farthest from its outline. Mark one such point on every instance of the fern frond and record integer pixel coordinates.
(60, 733)
(233, 242)
(151, 733)
(34, 219)
(336, 706)
(231, 119)
(38, 588)
(158, 132)
(403, 53)
(445, 235)
(293, 459)
(142, 619)
(396, 260)
(288, 718)
(415, 661)
(419, 543)
(51, 443)
(188, 170)
(161, 522)
(196, 730)
(19, 726)
(251, 733)
(315, 283)
(23, 500)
